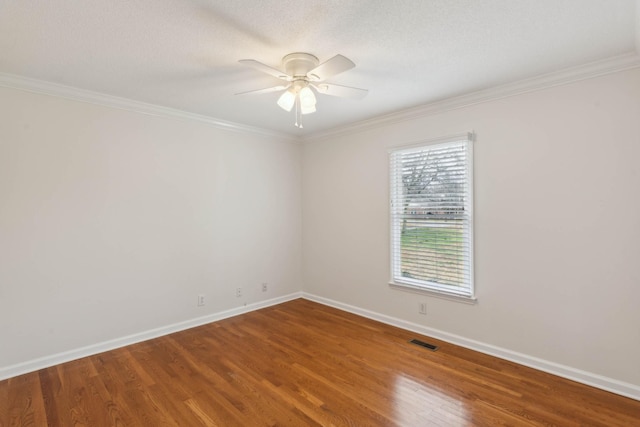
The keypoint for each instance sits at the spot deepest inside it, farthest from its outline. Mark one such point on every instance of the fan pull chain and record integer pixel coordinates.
(298, 113)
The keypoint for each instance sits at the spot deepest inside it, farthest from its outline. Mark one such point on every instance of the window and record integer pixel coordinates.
(432, 216)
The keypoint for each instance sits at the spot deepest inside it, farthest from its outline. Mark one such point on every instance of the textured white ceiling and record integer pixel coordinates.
(184, 54)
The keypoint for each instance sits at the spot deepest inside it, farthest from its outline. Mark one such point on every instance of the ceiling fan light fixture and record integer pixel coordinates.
(307, 109)
(287, 99)
(305, 75)
(307, 98)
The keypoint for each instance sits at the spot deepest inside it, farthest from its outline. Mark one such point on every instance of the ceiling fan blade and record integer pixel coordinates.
(267, 90)
(329, 68)
(265, 68)
(341, 91)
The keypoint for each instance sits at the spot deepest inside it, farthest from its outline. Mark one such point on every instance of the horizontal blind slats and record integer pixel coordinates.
(430, 208)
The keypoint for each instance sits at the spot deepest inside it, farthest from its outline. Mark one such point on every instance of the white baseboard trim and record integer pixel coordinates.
(609, 384)
(67, 356)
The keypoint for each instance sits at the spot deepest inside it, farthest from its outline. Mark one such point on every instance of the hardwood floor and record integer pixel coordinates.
(301, 364)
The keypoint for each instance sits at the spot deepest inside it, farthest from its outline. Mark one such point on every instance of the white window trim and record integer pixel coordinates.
(436, 290)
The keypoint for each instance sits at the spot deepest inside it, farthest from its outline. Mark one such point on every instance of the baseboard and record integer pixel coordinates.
(609, 384)
(67, 356)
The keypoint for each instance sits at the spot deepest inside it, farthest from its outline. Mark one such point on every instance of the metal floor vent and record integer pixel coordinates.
(424, 344)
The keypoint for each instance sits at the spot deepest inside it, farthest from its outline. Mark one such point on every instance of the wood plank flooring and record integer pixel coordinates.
(302, 364)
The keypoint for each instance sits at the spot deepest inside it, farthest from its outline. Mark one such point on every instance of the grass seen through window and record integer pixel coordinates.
(433, 254)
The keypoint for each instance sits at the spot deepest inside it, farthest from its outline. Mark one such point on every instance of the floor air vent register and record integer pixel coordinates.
(424, 344)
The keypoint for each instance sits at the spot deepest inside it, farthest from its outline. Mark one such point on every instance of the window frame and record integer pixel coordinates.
(466, 294)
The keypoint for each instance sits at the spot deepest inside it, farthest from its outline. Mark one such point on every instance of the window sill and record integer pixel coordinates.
(434, 293)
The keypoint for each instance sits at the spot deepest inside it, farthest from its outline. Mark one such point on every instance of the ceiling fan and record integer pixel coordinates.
(304, 74)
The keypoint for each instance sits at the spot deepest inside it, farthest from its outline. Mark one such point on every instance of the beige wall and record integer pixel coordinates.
(557, 224)
(112, 222)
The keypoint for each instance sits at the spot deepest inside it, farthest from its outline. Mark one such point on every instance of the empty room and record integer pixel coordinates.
(320, 213)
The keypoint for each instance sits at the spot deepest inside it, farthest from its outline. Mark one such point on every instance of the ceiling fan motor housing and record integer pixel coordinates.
(299, 64)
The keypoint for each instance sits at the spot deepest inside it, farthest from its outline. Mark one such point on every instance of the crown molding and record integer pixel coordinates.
(47, 88)
(544, 81)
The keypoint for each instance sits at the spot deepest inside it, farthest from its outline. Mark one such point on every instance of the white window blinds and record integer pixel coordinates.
(431, 216)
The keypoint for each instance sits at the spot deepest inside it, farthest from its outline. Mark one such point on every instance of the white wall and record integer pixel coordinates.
(557, 231)
(111, 222)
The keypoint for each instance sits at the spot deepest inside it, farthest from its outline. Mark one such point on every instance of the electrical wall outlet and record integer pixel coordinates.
(238, 292)
(265, 287)
(422, 309)
(200, 300)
